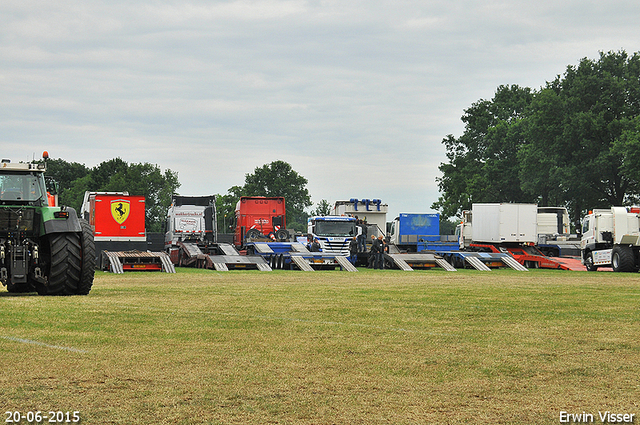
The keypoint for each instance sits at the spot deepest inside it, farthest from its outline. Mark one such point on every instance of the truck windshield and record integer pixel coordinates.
(335, 228)
(21, 188)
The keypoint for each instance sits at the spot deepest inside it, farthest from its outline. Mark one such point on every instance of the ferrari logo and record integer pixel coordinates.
(120, 210)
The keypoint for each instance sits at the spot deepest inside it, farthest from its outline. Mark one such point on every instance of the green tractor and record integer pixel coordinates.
(45, 249)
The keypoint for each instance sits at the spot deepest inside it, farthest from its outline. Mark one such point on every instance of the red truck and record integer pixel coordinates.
(260, 218)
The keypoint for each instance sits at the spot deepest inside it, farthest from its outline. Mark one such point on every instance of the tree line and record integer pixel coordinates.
(143, 179)
(575, 142)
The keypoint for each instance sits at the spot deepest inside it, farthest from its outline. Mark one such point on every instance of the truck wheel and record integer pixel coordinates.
(622, 259)
(252, 234)
(282, 235)
(88, 259)
(588, 262)
(65, 269)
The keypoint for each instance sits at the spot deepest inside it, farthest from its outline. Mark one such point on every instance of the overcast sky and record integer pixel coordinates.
(355, 95)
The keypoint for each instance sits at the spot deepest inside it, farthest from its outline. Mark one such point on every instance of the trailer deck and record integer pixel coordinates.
(283, 255)
(527, 255)
(225, 258)
(482, 261)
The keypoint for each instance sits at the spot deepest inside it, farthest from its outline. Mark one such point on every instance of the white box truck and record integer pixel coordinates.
(500, 223)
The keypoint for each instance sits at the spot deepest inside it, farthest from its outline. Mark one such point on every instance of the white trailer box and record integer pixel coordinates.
(505, 223)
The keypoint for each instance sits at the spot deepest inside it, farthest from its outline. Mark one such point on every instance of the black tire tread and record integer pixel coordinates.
(88, 259)
(66, 265)
(626, 261)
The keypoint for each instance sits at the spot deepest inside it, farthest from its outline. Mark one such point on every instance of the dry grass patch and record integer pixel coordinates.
(327, 347)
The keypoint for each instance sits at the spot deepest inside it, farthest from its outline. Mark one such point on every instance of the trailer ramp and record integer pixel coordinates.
(511, 262)
(570, 263)
(445, 265)
(482, 261)
(301, 263)
(115, 266)
(228, 249)
(298, 247)
(220, 267)
(346, 264)
(121, 261)
(410, 261)
(223, 263)
(477, 264)
(400, 263)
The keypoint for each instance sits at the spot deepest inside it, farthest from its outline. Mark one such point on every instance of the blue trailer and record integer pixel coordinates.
(420, 232)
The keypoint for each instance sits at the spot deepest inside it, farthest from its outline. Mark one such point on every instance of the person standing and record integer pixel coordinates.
(353, 250)
(362, 236)
(372, 254)
(315, 246)
(378, 262)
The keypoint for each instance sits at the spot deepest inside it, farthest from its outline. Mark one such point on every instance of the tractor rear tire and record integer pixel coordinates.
(622, 259)
(65, 270)
(88, 259)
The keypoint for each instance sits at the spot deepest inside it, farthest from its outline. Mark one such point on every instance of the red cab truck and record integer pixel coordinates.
(260, 218)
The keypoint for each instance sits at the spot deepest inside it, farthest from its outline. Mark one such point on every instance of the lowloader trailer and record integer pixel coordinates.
(415, 242)
(117, 221)
(294, 255)
(506, 228)
(220, 257)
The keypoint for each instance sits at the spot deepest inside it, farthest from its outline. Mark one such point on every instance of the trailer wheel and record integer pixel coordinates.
(88, 259)
(588, 262)
(622, 259)
(65, 269)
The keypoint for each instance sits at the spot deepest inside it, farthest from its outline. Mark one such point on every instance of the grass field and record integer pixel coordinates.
(373, 347)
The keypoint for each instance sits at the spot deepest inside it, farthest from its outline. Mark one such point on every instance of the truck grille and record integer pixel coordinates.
(333, 247)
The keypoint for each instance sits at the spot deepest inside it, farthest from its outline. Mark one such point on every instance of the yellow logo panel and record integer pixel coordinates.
(120, 210)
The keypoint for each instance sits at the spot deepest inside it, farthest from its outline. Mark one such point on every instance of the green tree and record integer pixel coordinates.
(574, 143)
(116, 175)
(628, 145)
(483, 165)
(226, 209)
(580, 134)
(323, 208)
(448, 227)
(65, 173)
